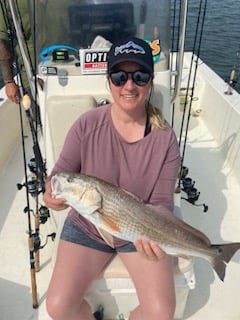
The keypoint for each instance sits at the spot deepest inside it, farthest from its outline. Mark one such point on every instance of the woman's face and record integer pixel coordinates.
(130, 96)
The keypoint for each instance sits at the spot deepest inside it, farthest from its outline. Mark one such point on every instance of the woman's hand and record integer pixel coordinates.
(53, 203)
(150, 250)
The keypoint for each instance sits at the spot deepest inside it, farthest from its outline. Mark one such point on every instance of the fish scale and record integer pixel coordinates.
(123, 215)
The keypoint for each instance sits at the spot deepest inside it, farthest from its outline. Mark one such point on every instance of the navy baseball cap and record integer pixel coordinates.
(131, 49)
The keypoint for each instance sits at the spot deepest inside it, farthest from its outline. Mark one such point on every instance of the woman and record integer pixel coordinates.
(128, 144)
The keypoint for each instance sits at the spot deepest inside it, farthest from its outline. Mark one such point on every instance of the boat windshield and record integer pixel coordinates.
(81, 24)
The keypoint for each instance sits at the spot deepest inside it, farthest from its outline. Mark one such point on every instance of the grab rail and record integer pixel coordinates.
(180, 53)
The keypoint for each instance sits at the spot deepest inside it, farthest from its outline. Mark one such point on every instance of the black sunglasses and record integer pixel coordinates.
(140, 78)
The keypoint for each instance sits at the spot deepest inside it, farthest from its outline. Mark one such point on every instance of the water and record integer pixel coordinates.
(221, 38)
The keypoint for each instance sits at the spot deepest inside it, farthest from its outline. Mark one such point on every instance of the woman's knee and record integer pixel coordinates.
(163, 310)
(55, 307)
(158, 310)
(59, 308)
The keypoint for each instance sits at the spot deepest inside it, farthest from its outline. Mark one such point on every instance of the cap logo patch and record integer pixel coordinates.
(129, 47)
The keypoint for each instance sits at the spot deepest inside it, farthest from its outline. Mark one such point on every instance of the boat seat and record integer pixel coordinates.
(115, 291)
(62, 111)
(116, 268)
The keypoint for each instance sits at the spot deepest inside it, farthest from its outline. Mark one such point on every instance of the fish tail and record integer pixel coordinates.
(225, 254)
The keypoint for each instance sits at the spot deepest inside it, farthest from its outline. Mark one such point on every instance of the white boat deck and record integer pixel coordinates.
(220, 190)
(213, 299)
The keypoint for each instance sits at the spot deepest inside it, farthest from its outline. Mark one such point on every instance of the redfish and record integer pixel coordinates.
(116, 212)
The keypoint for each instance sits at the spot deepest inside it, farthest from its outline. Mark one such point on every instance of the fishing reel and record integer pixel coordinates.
(34, 187)
(37, 170)
(37, 240)
(35, 184)
(99, 313)
(232, 82)
(188, 187)
(44, 214)
(32, 165)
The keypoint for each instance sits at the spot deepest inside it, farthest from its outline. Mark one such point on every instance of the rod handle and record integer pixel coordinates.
(33, 273)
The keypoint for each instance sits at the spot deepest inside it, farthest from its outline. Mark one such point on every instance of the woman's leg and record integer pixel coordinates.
(154, 282)
(76, 266)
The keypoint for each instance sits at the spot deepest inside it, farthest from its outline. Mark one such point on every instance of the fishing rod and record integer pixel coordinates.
(27, 210)
(194, 58)
(36, 184)
(34, 187)
(37, 167)
(192, 192)
(233, 77)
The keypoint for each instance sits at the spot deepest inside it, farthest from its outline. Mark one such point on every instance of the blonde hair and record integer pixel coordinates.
(155, 117)
(154, 113)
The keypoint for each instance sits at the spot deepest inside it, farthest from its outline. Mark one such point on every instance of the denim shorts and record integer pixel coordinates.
(72, 233)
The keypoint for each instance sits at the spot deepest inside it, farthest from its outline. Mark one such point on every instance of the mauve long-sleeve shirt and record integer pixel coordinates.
(147, 168)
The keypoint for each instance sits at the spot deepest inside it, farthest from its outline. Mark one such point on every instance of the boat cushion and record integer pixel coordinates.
(116, 269)
(62, 112)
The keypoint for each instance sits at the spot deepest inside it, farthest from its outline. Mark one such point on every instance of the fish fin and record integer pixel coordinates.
(91, 200)
(108, 238)
(225, 253)
(110, 223)
(227, 250)
(220, 267)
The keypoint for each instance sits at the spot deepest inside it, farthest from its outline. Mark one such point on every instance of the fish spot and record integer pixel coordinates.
(220, 250)
(70, 179)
